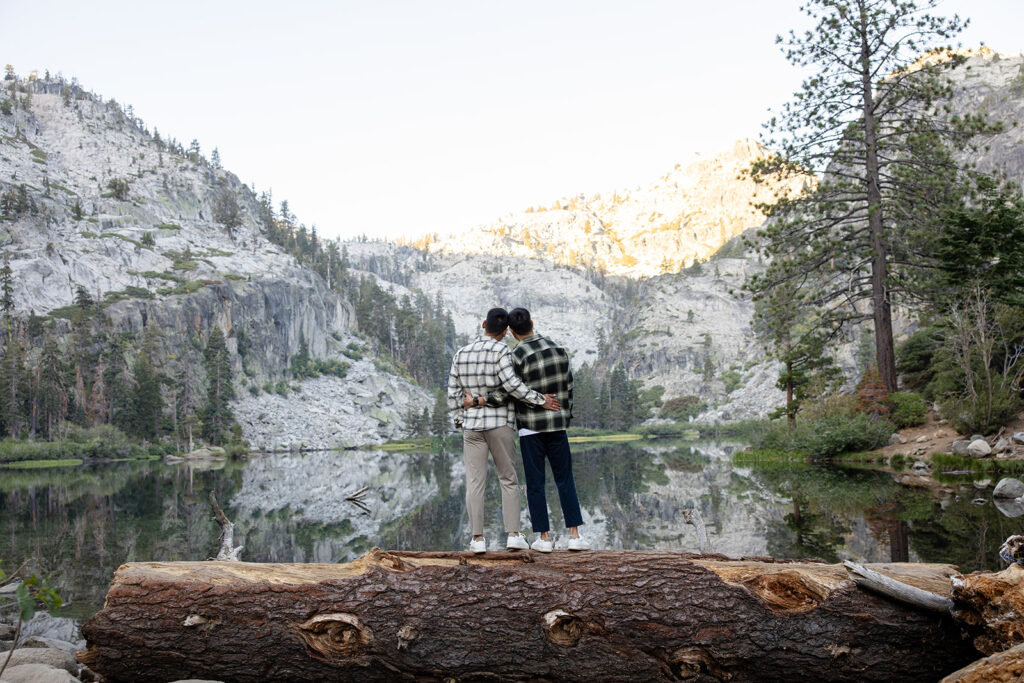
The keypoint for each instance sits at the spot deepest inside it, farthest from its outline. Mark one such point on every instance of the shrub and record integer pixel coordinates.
(682, 408)
(827, 436)
(830, 436)
(906, 409)
(984, 414)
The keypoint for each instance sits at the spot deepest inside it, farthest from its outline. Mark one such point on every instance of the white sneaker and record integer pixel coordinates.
(516, 542)
(579, 543)
(478, 546)
(542, 546)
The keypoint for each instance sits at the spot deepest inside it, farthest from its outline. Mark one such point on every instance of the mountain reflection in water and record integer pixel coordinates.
(83, 522)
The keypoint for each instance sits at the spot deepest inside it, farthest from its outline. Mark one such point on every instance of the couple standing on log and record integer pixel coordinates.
(491, 388)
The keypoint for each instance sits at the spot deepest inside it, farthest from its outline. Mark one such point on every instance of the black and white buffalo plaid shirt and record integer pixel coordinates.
(480, 368)
(544, 366)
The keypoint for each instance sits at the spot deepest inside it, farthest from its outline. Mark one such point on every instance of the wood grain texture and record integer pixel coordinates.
(600, 615)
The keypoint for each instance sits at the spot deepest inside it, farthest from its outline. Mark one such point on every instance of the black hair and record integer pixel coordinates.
(497, 320)
(519, 320)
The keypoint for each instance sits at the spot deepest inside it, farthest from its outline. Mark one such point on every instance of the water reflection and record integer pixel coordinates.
(83, 522)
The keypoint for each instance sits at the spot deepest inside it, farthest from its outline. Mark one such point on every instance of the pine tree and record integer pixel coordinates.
(226, 210)
(217, 417)
(7, 296)
(13, 381)
(867, 123)
(52, 393)
(793, 332)
(147, 403)
(440, 422)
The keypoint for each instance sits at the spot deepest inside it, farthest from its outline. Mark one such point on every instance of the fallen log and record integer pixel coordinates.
(602, 615)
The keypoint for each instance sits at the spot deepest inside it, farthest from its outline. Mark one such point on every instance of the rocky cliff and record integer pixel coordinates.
(92, 199)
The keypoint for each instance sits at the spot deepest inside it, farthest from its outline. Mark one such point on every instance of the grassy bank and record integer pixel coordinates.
(104, 442)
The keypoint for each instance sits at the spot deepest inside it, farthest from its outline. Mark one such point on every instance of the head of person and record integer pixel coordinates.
(520, 322)
(496, 323)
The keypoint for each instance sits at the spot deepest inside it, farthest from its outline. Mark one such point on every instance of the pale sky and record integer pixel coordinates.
(391, 118)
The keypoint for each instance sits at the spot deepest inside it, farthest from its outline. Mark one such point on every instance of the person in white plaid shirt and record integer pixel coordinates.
(477, 369)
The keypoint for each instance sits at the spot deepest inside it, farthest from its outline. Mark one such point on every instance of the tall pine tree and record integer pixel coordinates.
(867, 125)
(217, 417)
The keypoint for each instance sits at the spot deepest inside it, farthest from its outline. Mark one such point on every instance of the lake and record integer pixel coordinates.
(83, 522)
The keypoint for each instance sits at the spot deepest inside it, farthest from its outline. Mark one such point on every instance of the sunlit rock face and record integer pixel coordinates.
(684, 216)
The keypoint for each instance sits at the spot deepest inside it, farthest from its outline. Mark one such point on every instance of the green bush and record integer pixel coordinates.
(826, 436)
(907, 409)
(984, 414)
(681, 408)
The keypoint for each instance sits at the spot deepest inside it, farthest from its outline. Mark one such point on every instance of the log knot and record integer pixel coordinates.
(563, 628)
(335, 635)
(786, 591)
(691, 663)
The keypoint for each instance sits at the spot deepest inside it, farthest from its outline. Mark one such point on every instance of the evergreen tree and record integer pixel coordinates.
(147, 402)
(867, 124)
(7, 296)
(13, 380)
(226, 210)
(585, 397)
(52, 393)
(217, 417)
(440, 421)
(793, 333)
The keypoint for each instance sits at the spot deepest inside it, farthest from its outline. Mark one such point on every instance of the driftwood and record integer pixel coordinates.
(601, 615)
(228, 550)
(693, 516)
(897, 590)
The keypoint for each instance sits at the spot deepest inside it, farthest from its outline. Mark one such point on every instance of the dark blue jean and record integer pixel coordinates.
(554, 448)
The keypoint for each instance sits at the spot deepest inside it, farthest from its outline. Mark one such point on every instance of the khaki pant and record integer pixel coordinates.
(501, 444)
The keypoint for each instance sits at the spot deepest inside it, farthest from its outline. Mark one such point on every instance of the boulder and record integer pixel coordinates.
(982, 483)
(49, 656)
(1009, 507)
(1001, 446)
(924, 438)
(48, 626)
(42, 641)
(959, 446)
(37, 673)
(6, 632)
(1018, 437)
(979, 448)
(1008, 487)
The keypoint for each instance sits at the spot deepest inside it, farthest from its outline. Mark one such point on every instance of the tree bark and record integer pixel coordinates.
(603, 615)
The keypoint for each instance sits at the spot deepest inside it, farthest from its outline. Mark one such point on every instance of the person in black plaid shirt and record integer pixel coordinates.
(477, 369)
(544, 366)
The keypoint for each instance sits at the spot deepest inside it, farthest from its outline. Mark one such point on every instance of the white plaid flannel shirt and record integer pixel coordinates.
(479, 368)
